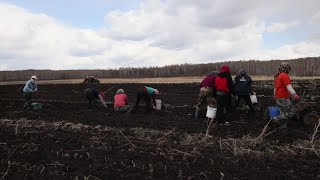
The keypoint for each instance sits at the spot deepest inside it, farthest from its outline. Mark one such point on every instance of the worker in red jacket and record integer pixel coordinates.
(206, 95)
(283, 91)
(224, 90)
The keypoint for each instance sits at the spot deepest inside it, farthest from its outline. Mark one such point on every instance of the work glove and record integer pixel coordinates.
(296, 97)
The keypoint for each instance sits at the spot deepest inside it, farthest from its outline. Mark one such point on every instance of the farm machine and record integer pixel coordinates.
(91, 80)
(308, 108)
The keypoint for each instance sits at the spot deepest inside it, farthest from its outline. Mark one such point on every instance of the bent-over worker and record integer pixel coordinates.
(148, 94)
(29, 89)
(93, 95)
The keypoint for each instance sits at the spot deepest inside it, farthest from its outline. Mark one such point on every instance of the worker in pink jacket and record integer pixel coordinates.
(121, 101)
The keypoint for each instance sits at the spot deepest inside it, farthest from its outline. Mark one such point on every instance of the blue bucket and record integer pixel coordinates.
(274, 111)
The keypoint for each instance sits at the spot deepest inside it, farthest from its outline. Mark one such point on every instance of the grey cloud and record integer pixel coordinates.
(176, 24)
(314, 36)
(85, 52)
(156, 33)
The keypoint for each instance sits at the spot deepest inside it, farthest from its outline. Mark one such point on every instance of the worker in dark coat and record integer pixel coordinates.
(93, 96)
(243, 87)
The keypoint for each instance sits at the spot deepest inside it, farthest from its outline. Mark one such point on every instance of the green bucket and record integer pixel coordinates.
(37, 105)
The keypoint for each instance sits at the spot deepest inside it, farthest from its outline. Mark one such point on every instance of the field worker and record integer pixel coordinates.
(28, 90)
(224, 88)
(121, 101)
(148, 94)
(93, 95)
(206, 94)
(243, 87)
(283, 91)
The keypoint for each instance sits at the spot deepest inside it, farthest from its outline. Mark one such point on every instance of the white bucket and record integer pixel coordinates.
(211, 112)
(158, 104)
(253, 99)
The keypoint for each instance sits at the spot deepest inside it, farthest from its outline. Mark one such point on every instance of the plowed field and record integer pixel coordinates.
(66, 141)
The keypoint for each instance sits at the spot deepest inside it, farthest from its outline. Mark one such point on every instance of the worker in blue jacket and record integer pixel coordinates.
(29, 89)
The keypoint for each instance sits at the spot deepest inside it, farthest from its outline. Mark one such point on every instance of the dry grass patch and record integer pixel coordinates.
(191, 79)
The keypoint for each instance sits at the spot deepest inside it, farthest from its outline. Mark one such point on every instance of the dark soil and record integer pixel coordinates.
(66, 141)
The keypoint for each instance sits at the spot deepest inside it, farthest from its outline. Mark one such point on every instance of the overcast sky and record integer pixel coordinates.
(89, 34)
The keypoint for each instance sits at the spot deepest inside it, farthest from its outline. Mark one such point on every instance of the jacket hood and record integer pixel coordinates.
(242, 72)
(225, 68)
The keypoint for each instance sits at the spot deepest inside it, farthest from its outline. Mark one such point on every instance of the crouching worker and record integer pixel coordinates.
(243, 87)
(121, 101)
(283, 91)
(93, 96)
(207, 93)
(148, 94)
(28, 90)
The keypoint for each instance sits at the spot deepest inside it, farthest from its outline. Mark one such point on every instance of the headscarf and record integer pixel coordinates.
(283, 67)
(120, 91)
(34, 77)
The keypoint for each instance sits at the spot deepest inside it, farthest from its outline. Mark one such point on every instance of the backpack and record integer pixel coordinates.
(222, 84)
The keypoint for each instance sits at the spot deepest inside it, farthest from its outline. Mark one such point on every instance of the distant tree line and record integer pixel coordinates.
(301, 67)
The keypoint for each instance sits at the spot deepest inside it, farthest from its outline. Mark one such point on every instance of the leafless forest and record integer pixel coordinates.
(301, 67)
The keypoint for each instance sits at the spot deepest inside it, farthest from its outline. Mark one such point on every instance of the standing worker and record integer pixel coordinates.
(121, 101)
(28, 90)
(93, 95)
(148, 94)
(225, 88)
(207, 92)
(243, 87)
(283, 91)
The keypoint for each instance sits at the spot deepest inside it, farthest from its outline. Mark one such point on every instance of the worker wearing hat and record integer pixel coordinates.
(29, 88)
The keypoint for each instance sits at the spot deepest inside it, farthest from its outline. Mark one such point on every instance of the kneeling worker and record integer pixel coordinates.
(121, 101)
